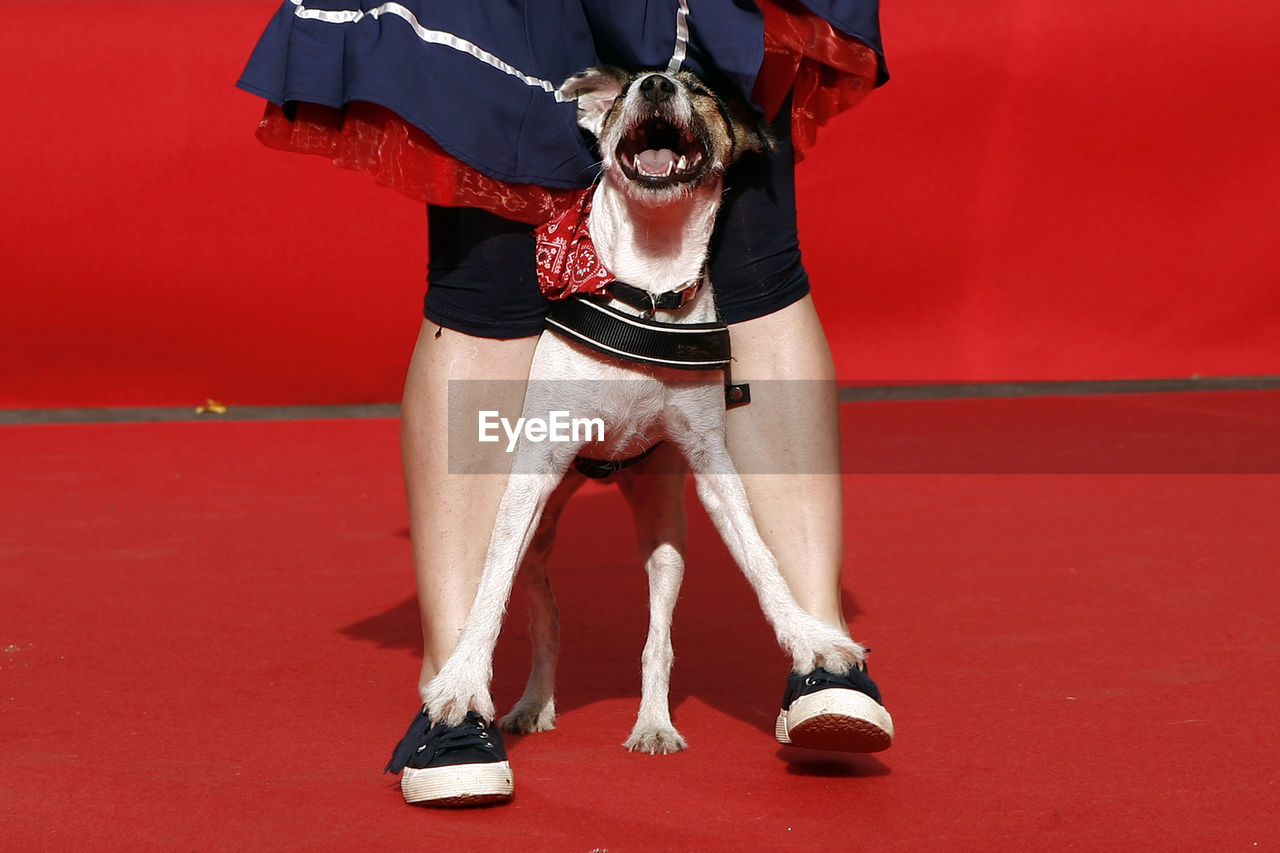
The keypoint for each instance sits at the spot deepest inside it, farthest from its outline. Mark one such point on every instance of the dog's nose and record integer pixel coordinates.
(657, 88)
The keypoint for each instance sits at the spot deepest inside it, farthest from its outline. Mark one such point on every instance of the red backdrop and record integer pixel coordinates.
(1049, 191)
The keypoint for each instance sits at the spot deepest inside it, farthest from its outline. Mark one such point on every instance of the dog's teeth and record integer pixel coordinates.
(683, 164)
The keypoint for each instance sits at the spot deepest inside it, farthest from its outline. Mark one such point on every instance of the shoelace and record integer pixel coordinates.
(855, 679)
(423, 736)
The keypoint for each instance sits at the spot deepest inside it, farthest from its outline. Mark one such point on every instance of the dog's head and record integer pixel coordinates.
(662, 136)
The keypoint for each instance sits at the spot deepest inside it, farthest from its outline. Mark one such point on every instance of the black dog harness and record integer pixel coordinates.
(605, 329)
(683, 346)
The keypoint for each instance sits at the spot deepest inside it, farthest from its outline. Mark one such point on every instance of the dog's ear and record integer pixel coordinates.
(750, 131)
(595, 90)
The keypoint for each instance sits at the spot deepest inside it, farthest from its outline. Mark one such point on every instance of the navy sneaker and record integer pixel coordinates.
(462, 765)
(823, 710)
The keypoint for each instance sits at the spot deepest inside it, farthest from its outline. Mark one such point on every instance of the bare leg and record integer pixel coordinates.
(462, 684)
(792, 430)
(811, 642)
(451, 514)
(799, 511)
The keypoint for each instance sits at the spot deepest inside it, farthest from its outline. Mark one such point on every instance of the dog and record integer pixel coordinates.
(665, 140)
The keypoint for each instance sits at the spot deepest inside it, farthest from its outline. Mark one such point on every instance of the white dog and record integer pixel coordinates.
(665, 141)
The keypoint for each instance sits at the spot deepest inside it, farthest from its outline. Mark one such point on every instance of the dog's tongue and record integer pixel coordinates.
(656, 162)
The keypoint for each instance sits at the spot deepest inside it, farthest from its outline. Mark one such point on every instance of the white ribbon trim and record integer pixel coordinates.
(682, 38)
(440, 37)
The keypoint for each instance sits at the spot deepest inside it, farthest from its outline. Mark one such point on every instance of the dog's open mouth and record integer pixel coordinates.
(656, 152)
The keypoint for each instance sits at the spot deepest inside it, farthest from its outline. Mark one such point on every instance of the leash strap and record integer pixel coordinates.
(598, 469)
(684, 346)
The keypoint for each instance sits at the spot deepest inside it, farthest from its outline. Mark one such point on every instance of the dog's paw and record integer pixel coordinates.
(840, 656)
(451, 694)
(821, 645)
(655, 741)
(525, 718)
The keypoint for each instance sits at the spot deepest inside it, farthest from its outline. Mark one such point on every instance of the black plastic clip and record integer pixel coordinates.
(736, 395)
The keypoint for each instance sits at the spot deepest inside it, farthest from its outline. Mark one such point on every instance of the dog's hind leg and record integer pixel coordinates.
(655, 490)
(536, 710)
(810, 641)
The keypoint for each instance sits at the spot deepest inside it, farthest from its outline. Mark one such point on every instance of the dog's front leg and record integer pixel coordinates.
(810, 641)
(655, 490)
(462, 684)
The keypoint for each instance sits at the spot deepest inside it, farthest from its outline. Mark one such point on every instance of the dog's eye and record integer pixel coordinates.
(692, 83)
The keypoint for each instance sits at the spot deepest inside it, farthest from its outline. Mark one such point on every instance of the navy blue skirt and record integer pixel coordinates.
(480, 77)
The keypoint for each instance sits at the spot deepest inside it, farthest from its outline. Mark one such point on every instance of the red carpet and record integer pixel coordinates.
(208, 643)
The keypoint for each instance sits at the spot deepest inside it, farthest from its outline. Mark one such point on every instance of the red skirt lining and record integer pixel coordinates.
(826, 72)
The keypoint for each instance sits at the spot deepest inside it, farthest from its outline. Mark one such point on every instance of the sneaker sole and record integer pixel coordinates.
(458, 784)
(837, 719)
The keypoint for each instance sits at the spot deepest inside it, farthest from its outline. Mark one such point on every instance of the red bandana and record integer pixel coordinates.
(567, 259)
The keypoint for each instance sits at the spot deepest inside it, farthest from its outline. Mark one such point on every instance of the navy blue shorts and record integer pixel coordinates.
(481, 278)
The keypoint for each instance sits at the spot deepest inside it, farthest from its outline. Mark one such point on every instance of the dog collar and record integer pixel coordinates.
(568, 265)
(648, 302)
(684, 346)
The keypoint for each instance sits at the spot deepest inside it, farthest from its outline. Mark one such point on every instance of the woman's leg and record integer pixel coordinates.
(484, 312)
(453, 498)
(786, 444)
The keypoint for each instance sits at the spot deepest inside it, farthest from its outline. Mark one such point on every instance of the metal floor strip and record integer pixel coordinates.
(849, 393)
